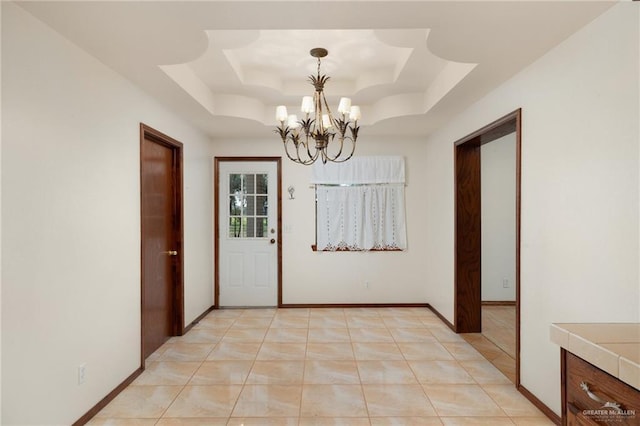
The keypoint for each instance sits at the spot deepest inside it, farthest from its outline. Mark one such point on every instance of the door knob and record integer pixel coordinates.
(171, 252)
(273, 241)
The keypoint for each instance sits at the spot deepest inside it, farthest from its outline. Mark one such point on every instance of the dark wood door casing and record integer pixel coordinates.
(162, 289)
(467, 228)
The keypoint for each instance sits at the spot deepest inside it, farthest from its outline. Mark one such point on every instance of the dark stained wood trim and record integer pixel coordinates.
(442, 318)
(539, 405)
(198, 319)
(107, 399)
(468, 247)
(178, 294)
(499, 303)
(563, 384)
(463, 297)
(216, 221)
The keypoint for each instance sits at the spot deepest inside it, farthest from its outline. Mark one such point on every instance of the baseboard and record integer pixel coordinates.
(442, 318)
(354, 305)
(540, 405)
(198, 319)
(107, 399)
(499, 303)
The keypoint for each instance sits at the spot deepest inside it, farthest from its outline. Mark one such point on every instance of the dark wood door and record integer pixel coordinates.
(160, 243)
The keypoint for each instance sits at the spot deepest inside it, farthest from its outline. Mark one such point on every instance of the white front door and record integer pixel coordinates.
(248, 233)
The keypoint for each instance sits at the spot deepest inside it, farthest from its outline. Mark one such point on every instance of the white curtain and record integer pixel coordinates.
(360, 204)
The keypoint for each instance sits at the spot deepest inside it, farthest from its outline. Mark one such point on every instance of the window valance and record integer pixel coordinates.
(360, 170)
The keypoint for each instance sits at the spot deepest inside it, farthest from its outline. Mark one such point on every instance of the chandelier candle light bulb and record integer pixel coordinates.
(319, 134)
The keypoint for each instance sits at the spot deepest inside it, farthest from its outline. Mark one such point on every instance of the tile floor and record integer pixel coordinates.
(497, 342)
(352, 367)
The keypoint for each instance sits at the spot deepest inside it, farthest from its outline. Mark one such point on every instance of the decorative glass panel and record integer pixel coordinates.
(262, 181)
(247, 210)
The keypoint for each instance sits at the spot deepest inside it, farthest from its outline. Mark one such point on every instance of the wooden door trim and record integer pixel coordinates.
(178, 230)
(467, 300)
(216, 221)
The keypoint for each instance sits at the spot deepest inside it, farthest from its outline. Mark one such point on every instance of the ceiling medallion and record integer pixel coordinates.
(319, 125)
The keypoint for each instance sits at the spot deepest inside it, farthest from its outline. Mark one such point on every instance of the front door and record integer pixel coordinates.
(248, 232)
(161, 182)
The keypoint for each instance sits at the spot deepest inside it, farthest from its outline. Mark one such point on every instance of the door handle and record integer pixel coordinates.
(273, 241)
(171, 252)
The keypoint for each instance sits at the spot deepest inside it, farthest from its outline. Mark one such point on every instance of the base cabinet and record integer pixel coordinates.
(591, 397)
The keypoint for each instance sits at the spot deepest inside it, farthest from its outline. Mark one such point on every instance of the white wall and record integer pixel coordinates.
(498, 214)
(580, 188)
(71, 223)
(321, 277)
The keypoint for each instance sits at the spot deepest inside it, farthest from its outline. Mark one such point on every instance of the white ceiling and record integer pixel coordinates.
(225, 65)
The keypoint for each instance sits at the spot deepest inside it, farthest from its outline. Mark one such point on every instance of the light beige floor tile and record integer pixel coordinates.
(226, 313)
(276, 373)
(412, 335)
(486, 347)
(397, 400)
(377, 351)
(432, 321)
(252, 322)
(440, 372)
(274, 351)
(445, 335)
(167, 373)
(332, 401)
(403, 322)
(425, 351)
(326, 312)
(200, 335)
(334, 421)
(157, 354)
(386, 372)
(260, 312)
(405, 421)
(293, 312)
(370, 335)
(244, 335)
(398, 312)
(287, 335)
(484, 372)
(268, 401)
(263, 421)
(355, 321)
(234, 351)
(222, 373)
(361, 312)
(506, 365)
(476, 421)
(334, 351)
(186, 352)
(334, 321)
(463, 351)
(511, 401)
(140, 402)
(462, 401)
(290, 322)
(532, 421)
(204, 401)
(331, 372)
(215, 323)
(122, 422)
(329, 335)
(203, 421)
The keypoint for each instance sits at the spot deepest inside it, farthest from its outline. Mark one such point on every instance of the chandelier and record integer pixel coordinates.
(319, 134)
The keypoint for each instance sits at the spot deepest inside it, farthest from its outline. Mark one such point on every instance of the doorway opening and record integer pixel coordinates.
(162, 229)
(468, 306)
(248, 232)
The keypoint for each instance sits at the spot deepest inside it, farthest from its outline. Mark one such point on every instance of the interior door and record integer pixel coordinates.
(248, 233)
(161, 237)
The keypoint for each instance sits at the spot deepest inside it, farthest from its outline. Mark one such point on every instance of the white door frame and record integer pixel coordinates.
(216, 218)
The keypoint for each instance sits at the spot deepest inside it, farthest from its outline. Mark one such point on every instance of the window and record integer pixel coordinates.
(248, 205)
(360, 204)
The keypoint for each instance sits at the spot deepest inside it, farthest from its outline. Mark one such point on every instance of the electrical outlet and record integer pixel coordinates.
(505, 283)
(82, 373)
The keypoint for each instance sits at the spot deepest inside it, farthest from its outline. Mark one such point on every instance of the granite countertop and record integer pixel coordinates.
(612, 347)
